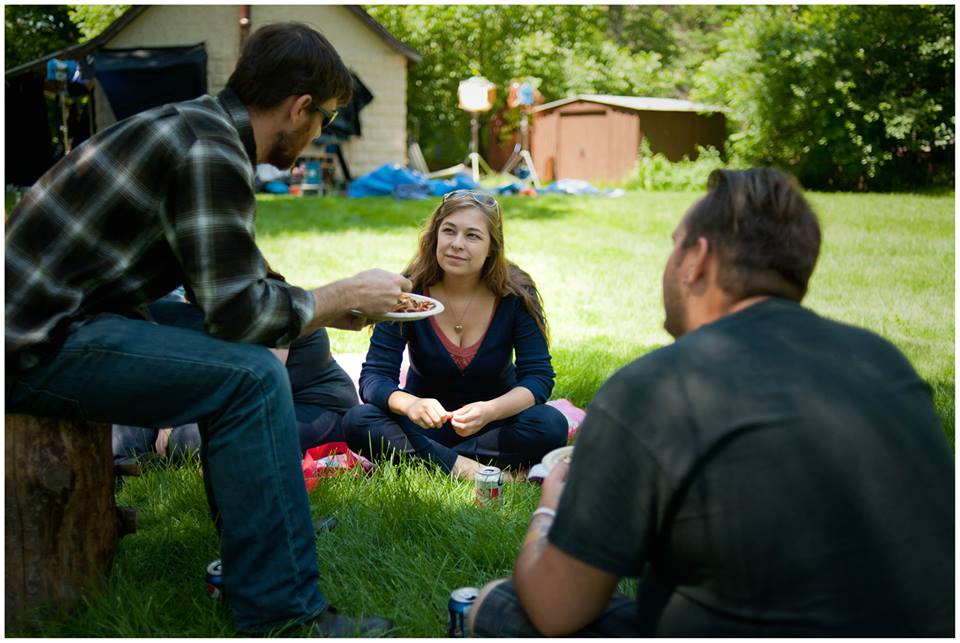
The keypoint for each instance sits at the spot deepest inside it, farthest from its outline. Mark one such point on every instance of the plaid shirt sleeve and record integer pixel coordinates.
(209, 224)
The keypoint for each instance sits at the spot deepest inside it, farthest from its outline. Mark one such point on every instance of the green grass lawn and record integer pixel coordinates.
(406, 536)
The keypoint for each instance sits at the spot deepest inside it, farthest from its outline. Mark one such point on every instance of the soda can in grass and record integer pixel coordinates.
(460, 602)
(214, 580)
(489, 485)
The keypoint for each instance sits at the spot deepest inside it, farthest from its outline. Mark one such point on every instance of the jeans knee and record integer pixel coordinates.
(481, 597)
(358, 422)
(263, 370)
(558, 426)
(547, 425)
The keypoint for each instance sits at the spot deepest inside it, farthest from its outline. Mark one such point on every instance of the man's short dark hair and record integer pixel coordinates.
(765, 233)
(289, 59)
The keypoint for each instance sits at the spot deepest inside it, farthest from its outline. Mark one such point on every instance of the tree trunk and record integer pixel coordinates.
(61, 518)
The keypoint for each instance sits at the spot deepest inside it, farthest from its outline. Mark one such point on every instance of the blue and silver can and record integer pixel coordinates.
(214, 579)
(460, 602)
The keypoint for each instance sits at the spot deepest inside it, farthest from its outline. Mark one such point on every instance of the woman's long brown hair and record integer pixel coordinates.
(501, 276)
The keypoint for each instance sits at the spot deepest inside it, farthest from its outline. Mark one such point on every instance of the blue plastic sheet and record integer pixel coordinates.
(578, 186)
(386, 179)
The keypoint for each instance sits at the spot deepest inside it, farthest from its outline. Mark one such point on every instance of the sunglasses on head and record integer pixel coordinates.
(482, 198)
(328, 116)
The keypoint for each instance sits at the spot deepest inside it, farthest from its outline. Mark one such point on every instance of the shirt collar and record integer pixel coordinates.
(238, 113)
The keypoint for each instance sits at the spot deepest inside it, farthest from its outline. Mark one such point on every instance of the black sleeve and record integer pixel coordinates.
(615, 495)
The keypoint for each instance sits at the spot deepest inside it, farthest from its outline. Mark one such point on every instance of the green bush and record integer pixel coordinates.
(845, 97)
(657, 172)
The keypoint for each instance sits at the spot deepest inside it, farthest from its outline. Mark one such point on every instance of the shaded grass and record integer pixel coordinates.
(407, 536)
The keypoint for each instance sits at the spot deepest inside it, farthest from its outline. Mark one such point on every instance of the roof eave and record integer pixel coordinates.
(82, 49)
(590, 98)
(385, 35)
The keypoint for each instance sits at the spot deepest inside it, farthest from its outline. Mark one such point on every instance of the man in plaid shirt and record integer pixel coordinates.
(166, 198)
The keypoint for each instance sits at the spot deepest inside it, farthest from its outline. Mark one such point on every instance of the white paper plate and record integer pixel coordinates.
(557, 455)
(436, 310)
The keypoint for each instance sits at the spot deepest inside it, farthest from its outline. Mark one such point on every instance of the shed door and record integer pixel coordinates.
(584, 147)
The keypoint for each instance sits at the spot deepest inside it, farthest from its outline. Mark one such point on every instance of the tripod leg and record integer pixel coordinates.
(531, 168)
(513, 161)
(483, 163)
(474, 164)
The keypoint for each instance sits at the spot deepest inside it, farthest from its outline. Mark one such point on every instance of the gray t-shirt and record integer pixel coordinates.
(772, 473)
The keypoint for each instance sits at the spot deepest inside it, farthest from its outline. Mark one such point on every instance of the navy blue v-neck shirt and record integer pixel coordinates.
(433, 373)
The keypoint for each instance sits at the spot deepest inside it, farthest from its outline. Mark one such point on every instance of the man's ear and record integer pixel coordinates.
(698, 255)
(300, 108)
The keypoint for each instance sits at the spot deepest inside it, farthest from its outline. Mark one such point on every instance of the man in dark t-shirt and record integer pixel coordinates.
(771, 473)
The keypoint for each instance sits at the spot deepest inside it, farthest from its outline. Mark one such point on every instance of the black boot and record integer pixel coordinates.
(330, 624)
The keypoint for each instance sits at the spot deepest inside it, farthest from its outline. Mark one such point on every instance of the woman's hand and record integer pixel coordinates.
(428, 413)
(470, 418)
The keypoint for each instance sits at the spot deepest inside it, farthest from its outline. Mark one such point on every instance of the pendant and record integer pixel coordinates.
(458, 328)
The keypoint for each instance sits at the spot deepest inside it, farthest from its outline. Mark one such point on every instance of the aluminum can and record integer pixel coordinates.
(460, 602)
(214, 580)
(489, 485)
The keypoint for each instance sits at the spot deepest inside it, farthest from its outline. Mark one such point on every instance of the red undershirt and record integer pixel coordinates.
(461, 355)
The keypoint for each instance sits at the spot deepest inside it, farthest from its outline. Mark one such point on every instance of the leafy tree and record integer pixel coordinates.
(92, 19)
(683, 35)
(564, 47)
(845, 97)
(33, 31)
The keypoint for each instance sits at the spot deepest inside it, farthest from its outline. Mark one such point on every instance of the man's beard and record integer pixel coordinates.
(285, 151)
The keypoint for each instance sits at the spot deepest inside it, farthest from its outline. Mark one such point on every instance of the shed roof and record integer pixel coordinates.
(78, 51)
(640, 103)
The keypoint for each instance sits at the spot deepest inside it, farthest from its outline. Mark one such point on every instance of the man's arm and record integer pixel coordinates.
(559, 593)
(372, 291)
(211, 231)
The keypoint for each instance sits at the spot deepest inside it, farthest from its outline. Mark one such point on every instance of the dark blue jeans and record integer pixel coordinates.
(515, 441)
(125, 371)
(501, 616)
(322, 393)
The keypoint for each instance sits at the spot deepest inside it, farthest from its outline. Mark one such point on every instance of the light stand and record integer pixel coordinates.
(521, 152)
(60, 72)
(474, 160)
(476, 95)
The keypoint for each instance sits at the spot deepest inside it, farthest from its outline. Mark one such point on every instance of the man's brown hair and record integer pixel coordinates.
(765, 233)
(289, 59)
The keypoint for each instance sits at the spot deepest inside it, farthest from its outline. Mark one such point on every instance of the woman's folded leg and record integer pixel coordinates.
(518, 441)
(379, 435)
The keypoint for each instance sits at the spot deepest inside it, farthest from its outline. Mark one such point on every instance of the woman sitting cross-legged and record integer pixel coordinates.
(465, 403)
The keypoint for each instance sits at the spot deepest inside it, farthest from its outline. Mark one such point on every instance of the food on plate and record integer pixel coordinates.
(563, 454)
(408, 304)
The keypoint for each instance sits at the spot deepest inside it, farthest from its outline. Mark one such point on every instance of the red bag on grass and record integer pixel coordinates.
(330, 459)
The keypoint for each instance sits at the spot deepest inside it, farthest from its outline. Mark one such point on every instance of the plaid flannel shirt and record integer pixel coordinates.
(163, 198)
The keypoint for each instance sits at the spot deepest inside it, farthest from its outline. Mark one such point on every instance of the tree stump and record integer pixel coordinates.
(62, 526)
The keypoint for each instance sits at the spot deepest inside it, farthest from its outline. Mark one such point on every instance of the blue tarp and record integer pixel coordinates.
(386, 179)
(578, 186)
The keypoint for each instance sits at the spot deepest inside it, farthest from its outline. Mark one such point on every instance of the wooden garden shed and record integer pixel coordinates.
(597, 138)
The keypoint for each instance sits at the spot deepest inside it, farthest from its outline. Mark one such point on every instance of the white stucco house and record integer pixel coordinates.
(377, 58)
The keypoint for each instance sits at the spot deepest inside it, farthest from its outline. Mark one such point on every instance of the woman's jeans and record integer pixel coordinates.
(125, 371)
(517, 441)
